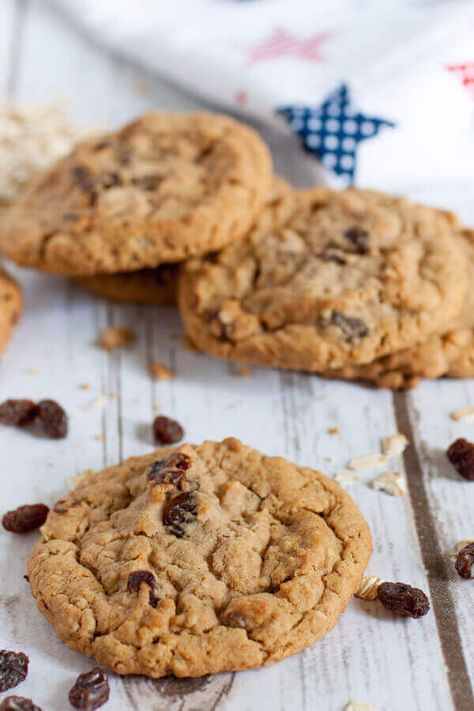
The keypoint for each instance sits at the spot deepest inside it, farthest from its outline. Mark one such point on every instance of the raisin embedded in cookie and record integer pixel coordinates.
(449, 354)
(161, 189)
(156, 287)
(326, 279)
(199, 560)
(11, 305)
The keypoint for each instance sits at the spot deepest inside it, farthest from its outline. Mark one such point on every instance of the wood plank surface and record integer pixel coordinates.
(370, 656)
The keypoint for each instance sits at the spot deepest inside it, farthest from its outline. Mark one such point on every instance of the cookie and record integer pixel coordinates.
(161, 189)
(327, 279)
(449, 354)
(198, 560)
(11, 305)
(156, 287)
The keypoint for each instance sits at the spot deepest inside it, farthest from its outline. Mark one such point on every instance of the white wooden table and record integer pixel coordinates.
(394, 664)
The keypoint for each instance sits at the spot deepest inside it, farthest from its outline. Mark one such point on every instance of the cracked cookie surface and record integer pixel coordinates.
(11, 305)
(326, 279)
(156, 287)
(198, 560)
(450, 354)
(163, 188)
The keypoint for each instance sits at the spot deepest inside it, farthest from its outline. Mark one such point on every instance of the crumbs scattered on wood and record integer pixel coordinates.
(115, 337)
(158, 371)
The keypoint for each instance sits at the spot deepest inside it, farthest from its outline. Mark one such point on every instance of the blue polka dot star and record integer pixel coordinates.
(333, 130)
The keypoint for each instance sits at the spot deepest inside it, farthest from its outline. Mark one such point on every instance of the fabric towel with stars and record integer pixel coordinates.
(380, 94)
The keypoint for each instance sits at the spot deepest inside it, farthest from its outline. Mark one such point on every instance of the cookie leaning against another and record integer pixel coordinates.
(156, 287)
(199, 560)
(449, 354)
(11, 305)
(327, 279)
(161, 189)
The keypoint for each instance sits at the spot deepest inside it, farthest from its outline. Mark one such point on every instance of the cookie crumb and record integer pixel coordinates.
(358, 706)
(159, 371)
(345, 478)
(368, 461)
(334, 431)
(394, 445)
(243, 370)
(463, 414)
(390, 483)
(84, 386)
(115, 337)
(368, 587)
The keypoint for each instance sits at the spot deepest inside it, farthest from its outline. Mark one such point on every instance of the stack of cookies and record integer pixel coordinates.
(353, 284)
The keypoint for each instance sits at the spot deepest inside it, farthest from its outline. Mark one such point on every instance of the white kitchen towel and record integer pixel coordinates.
(381, 92)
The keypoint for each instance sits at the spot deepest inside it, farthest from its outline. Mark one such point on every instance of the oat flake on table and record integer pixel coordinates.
(345, 478)
(368, 588)
(390, 483)
(463, 414)
(358, 706)
(394, 445)
(368, 461)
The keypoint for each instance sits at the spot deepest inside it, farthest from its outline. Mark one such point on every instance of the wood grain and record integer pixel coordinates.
(111, 398)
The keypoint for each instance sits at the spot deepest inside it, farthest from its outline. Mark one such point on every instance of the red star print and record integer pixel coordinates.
(466, 74)
(282, 43)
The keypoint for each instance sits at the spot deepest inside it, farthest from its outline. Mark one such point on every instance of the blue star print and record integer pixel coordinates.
(333, 130)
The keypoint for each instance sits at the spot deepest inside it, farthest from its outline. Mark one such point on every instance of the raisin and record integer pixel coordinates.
(47, 417)
(359, 238)
(331, 254)
(403, 600)
(61, 507)
(110, 180)
(178, 511)
(25, 518)
(16, 413)
(138, 577)
(352, 328)
(461, 455)
(465, 562)
(147, 182)
(90, 691)
(13, 669)
(81, 175)
(18, 703)
(167, 431)
(51, 419)
(170, 469)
